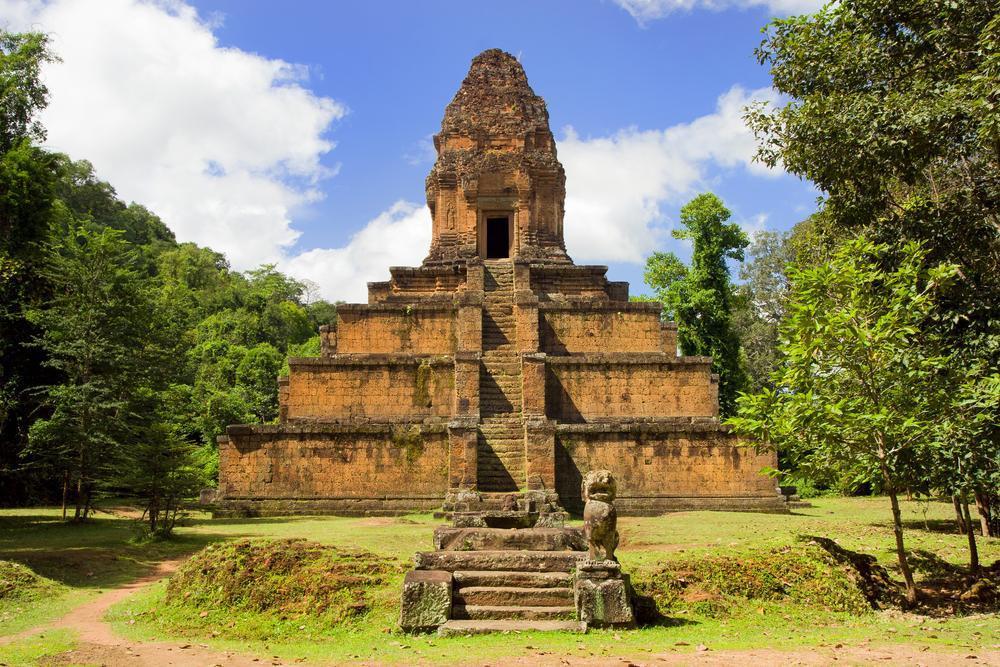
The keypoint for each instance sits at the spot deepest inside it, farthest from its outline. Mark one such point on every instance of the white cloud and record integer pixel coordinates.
(223, 144)
(617, 185)
(399, 236)
(648, 10)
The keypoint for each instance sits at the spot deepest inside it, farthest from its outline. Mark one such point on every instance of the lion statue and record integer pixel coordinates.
(600, 519)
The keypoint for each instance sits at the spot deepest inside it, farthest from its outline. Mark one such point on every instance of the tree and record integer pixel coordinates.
(96, 330)
(27, 180)
(862, 384)
(22, 93)
(700, 298)
(894, 112)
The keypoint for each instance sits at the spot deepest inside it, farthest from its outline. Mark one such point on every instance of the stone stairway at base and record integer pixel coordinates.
(500, 440)
(508, 579)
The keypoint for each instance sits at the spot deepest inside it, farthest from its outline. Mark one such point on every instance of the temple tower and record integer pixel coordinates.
(497, 366)
(497, 189)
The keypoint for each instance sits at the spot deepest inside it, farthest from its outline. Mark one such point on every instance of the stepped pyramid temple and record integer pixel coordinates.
(498, 366)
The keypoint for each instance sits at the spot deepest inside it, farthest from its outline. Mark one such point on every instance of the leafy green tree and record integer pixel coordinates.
(27, 181)
(700, 298)
(894, 112)
(861, 384)
(22, 93)
(97, 330)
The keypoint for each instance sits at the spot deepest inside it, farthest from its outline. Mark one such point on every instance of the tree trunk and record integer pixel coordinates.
(959, 519)
(971, 533)
(904, 565)
(65, 492)
(985, 514)
(79, 497)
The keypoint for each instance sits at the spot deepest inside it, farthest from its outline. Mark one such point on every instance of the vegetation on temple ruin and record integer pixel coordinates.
(289, 578)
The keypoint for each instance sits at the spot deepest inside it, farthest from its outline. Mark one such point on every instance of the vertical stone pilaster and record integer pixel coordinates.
(714, 394)
(462, 436)
(540, 453)
(533, 384)
(327, 340)
(282, 399)
(466, 403)
(668, 338)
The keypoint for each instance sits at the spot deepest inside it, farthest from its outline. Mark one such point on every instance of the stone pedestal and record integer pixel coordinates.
(426, 602)
(603, 595)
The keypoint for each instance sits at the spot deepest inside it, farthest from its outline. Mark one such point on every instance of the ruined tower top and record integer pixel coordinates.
(495, 100)
(497, 189)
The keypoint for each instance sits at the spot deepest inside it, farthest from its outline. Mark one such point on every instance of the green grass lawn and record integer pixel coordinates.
(88, 558)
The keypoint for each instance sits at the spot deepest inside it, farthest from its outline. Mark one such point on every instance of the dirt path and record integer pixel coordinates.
(97, 644)
(894, 654)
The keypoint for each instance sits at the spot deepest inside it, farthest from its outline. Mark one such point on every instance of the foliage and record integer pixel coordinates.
(805, 575)
(98, 330)
(22, 93)
(861, 386)
(284, 577)
(893, 112)
(18, 582)
(700, 297)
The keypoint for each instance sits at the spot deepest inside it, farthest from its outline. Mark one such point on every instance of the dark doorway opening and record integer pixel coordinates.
(497, 238)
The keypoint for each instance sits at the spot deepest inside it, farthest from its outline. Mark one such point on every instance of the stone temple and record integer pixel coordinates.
(498, 366)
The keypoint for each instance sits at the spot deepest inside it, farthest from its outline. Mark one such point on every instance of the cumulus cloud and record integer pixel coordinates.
(644, 11)
(618, 185)
(399, 236)
(223, 144)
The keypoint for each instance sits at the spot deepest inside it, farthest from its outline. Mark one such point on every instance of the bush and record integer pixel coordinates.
(18, 582)
(712, 586)
(284, 578)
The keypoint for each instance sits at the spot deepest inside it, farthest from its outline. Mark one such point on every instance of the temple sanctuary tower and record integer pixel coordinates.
(497, 366)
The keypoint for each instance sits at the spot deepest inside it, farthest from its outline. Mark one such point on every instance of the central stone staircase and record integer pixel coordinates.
(500, 464)
(508, 579)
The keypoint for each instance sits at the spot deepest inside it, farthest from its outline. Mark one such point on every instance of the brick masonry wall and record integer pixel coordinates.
(388, 330)
(664, 469)
(340, 388)
(399, 461)
(600, 387)
(581, 330)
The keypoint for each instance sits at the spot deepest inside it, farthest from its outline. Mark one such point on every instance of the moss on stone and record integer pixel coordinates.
(410, 440)
(422, 385)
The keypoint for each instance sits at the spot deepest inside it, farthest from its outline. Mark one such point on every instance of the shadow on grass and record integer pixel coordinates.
(931, 525)
(649, 616)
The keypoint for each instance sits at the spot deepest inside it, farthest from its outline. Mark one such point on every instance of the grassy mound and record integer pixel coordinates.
(18, 582)
(285, 578)
(714, 586)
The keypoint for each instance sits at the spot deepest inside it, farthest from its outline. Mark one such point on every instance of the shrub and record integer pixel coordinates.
(283, 577)
(18, 582)
(806, 575)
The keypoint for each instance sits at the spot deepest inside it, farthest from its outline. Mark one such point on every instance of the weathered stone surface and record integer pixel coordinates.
(426, 602)
(523, 561)
(513, 596)
(600, 519)
(603, 598)
(484, 612)
(447, 538)
(522, 579)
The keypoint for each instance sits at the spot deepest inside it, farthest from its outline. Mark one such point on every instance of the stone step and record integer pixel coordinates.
(456, 628)
(520, 579)
(447, 538)
(523, 561)
(509, 596)
(482, 612)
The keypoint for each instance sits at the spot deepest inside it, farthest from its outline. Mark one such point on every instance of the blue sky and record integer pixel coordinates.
(298, 133)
